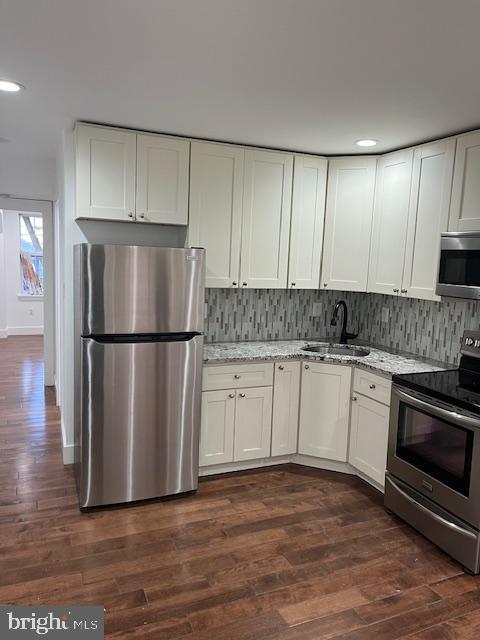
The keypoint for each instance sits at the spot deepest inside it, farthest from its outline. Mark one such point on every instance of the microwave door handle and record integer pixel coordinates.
(435, 516)
(433, 409)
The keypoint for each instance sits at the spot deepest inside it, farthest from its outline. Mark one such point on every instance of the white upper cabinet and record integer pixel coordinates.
(105, 173)
(216, 193)
(308, 213)
(266, 219)
(465, 207)
(428, 217)
(162, 179)
(390, 217)
(324, 410)
(348, 223)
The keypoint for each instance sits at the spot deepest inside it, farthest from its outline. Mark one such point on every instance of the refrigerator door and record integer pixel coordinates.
(140, 414)
(130, 289)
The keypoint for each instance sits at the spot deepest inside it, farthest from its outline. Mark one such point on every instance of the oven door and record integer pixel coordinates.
(459, 268)
(436, 451)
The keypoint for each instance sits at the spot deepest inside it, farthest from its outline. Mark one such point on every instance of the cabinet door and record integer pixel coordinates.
(216, 193)
(465, 207)
(253, 423)
(390, 217)
(324, 411)
(428, 217)
(217, 427)
(369, 437)
(162, 179)
(105, 173)
(286, 396)
(308, 214)
(348, 223)
(266, 219)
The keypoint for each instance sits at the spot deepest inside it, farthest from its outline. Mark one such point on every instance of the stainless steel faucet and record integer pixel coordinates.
(344, 335)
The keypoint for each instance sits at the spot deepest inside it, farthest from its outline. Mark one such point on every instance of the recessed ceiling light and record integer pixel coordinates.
(366, 143)
(9, 85)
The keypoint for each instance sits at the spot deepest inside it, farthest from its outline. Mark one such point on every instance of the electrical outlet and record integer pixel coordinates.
(385, 315)
(317, 309)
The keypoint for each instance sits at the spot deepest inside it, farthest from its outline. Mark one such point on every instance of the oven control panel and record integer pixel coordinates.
(471, 344)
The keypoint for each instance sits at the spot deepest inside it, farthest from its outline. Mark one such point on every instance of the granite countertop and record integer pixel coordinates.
(383, 362)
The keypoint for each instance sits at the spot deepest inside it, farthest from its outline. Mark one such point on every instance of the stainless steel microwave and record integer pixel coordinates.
(459, 268)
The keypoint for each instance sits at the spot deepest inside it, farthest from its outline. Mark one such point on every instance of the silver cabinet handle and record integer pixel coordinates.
(293, 284)
(404, 290)
(231, 395)
(281, 367)
(234, 284)
(130, 214)
(325, 284)
(354, 398)
(396, 290)
(372, 386)
(307, 366)
(244, 284)
(237, 376)
(242, 395)
(142, 215)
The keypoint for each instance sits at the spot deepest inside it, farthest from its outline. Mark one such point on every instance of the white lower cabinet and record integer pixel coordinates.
(217, 428)
(253, 423)
(286, 397)
(324, 410)
(369, 437)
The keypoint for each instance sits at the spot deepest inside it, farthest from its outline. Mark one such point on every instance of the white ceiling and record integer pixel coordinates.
(312, 75)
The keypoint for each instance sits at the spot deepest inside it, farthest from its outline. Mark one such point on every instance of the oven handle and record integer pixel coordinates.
(431, 514)
(451, 416)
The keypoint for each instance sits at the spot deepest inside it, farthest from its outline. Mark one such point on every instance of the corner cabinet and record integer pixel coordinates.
(308, 214)
(390, 218)
(130, 177)
(267, 196)
(324, 410)
(465, 206)
(348, 223)
(216, 196)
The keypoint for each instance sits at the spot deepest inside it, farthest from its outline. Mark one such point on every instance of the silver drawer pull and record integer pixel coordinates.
(231, 395)
(307, 366)
(237, 376)
(281, 367)
(372, 386)
(354, 398)
(242, 395)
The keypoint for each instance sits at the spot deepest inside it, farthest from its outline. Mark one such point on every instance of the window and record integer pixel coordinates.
(31, 254)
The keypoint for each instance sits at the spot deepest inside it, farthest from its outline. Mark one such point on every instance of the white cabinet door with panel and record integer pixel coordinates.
(369, 437)
(217, 427)
(390, 218)
(162, 179)
(216, 195)
(465, 206)
(253, 423)
(348, 223)
(266, 219)
(308, 214)
(428, 217)
(324, 410)
(105, 173)
(286, 390)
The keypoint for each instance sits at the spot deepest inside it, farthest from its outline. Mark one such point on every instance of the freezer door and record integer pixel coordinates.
(140, 419)
(130, 289)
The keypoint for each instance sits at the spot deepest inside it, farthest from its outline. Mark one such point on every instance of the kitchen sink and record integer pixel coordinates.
(337, 350)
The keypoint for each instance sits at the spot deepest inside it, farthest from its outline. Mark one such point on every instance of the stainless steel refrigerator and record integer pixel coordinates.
(138, 366)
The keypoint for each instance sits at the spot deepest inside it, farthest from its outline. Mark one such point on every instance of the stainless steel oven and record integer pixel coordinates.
(433, 471)
(459, 266)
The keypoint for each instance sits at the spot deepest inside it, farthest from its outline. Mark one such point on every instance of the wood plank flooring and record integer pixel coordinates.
(288, 553)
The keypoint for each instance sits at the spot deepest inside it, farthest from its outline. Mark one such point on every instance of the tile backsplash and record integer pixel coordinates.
(430, 329)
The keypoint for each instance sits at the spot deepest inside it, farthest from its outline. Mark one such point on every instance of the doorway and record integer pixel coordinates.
(27, 297)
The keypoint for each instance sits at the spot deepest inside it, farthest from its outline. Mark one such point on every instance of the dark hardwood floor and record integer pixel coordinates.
(287, 553)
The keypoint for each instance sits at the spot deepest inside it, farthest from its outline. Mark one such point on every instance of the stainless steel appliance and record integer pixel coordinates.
(459, 268)
(138, 367)
(433, 467)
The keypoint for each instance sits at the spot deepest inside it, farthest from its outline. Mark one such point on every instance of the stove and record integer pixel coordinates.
(433, 465)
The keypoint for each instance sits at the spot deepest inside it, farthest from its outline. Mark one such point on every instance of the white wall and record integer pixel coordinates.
(27, 177)
(21, 315)
(71, 233)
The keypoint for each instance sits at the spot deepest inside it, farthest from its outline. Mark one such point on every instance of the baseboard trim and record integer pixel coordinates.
(228, 467)
(3, 333)
(321, 463)
(25, 331)
(67, 449)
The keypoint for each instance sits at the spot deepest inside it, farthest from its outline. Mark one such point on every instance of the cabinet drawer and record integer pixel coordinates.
(372, 386)
(236, 376)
